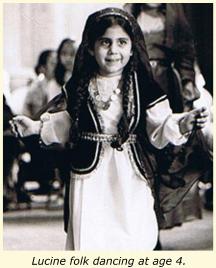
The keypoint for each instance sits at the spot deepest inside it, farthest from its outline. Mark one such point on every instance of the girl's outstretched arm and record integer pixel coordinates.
(52, 127)
(165, 127)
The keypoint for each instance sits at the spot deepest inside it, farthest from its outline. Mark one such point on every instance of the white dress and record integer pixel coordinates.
(112, 207)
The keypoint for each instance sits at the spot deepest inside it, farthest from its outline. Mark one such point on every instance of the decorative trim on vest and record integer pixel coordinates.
(97, 153)
(88, 172)
(65, 91)
(162, 98)
(135, 161)
(134, 123)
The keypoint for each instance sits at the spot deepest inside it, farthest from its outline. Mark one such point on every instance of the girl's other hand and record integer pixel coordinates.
(196, 118)
(23, 126)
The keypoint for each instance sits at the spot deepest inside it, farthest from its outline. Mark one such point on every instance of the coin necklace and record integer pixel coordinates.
(103, 102)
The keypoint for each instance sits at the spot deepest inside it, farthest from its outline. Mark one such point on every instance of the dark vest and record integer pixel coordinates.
(83, 163)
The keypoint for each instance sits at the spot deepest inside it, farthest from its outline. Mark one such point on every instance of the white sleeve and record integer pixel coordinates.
(163, 126)
(55, 127)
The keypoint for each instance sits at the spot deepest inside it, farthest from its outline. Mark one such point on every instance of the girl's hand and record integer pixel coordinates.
(196, 118)
(23, 126)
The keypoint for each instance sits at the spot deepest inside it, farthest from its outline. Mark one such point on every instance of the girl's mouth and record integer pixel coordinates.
(112, 60)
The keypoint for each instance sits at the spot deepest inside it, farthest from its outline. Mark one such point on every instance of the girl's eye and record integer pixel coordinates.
(122, 42)
(105, 42)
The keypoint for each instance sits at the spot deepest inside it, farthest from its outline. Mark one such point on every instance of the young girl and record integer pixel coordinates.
(115, 108)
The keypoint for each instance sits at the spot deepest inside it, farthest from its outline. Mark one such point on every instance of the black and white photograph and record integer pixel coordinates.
(107, 126)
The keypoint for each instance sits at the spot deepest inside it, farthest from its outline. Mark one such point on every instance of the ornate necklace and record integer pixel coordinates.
(103, 95)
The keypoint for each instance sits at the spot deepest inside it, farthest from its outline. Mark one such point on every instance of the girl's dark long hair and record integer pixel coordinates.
(85, 66)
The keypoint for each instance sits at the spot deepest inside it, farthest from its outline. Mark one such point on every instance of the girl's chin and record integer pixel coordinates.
(111, 73)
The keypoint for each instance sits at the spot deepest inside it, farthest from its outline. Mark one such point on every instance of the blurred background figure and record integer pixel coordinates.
(11, 150)
(65, 61)
(32, 161)
(206, 100)
(44, 85)
(53, 70)
(46, 64)
(171, 51)
(170, 45)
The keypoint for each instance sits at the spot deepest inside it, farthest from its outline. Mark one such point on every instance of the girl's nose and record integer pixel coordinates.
(113, 48)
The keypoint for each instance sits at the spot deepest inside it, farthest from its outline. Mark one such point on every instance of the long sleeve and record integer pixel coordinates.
(55, 127)
(163, 126)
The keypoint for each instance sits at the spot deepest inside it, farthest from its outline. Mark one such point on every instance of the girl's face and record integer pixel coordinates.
(67, 55)
(112, 51)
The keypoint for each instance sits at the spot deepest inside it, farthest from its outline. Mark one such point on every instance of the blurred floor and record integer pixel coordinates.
(34, 229)
(192, 235)
(42, 229)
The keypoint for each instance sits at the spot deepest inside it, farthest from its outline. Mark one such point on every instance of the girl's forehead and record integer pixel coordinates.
(115, 30)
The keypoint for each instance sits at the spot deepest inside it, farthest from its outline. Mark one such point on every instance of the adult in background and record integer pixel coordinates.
(11, 149)
(171, 51)
(170, 46)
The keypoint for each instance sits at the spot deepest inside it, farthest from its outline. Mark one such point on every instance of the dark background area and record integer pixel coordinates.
(200, 17)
